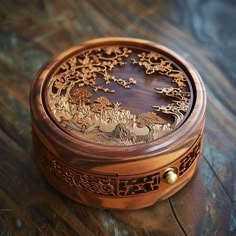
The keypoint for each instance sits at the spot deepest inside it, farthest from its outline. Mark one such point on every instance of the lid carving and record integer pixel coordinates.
(102, 95)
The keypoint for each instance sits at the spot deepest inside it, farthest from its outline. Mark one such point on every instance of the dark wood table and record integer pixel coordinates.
(202, 31)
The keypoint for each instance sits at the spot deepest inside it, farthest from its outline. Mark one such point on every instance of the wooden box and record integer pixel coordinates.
(118, 122)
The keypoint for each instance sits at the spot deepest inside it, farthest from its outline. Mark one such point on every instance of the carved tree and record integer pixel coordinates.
(104, 101)
(150, 119)
(84, 69)
(80, 96)
(154, 62)
(101, 104)
(178, 107)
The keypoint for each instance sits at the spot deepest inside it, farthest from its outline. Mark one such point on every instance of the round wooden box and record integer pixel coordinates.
(118, 122)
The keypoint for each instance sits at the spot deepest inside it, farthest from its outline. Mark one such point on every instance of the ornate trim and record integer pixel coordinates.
(87, 182)
(189, 159)
(112, 185)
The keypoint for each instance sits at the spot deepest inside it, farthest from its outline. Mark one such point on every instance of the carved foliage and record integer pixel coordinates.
(98, 119)
(179, 105)
(84, 69)
(155, 63)
(80, 96)
(150, 119)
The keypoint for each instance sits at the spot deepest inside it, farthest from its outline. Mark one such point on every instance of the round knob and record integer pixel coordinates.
(170, 176)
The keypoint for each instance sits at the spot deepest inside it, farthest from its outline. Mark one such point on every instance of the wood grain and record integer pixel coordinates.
(203, 32)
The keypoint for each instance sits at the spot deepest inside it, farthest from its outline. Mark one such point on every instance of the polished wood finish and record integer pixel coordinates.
(136, 174)
(202, 32)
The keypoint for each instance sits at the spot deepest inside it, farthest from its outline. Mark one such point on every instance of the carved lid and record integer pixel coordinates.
(118, 92)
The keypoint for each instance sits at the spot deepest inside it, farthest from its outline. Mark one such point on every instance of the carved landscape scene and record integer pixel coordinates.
(73, 99)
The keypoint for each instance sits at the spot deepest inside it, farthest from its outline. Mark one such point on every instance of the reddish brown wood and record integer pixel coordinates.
(203, 32)
(95, 174)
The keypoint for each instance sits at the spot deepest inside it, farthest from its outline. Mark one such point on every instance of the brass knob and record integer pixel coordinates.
(170, 176)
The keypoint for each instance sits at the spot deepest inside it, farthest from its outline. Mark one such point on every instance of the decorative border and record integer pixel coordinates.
(112, 185)
(190, 158)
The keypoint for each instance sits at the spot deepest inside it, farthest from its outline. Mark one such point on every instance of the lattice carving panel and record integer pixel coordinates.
(112, 185)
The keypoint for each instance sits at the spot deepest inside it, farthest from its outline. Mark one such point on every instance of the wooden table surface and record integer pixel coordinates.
(202, 31)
